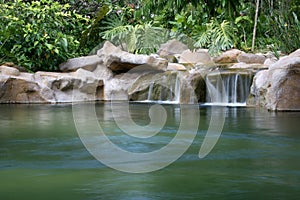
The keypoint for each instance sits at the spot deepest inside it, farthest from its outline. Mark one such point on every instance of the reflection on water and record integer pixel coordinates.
(42, 157)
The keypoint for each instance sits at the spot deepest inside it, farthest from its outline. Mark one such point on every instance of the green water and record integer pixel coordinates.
(42, 157)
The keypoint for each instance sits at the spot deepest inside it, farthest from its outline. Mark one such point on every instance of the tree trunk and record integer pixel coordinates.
(255, 25)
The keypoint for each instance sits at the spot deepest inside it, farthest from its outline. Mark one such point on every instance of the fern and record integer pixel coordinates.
(115, 30)
(149, 38)
(141, 38)
(217, 37)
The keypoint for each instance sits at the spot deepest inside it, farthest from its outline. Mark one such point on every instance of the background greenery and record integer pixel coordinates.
(40, 35)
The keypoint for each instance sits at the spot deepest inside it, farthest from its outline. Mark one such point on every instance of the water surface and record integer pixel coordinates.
(42, 157)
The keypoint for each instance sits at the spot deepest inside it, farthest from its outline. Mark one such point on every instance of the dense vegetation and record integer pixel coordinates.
(39, 35)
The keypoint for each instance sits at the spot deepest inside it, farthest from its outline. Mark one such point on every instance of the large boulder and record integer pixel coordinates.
(115, 59)
(199, 56)
(120, 61)
(253, 67)
(19, 90)
(103, 73)
(259, 89)
(172, 47)
(278, 88)
(270, 61)
(193, 88)
(13, 65)
(250, 58)
(155, 87)
(229, 56)
(81, 85)
(179, 87)
(146, 87)
(10, 71)
(87, 62)
(16, 87)
(118, 87)
(49, 87)
(295, 53)
(176, 67)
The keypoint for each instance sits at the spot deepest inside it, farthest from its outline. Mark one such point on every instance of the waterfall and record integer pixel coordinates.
(150, 92)
(177, 90)
(167, 90)
(228, 88)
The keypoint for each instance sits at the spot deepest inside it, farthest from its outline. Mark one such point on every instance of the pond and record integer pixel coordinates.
(42, 156)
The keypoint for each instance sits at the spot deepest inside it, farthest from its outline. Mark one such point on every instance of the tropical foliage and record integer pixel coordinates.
(139, 38)
(217, 36)
(41, 34)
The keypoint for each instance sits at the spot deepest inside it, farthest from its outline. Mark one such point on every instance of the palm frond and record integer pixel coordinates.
(141, 38)
(216, 37)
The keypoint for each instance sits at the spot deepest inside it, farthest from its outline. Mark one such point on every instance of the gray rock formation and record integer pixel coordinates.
(88, 63)
(19, 90)
(253, 67)
(49, 87)
(114, 58)
(229, 56)
(176, 67)
(172, 47)
(10, 71)
(250, 58)
(117, 88)
(295, 53)
(278, 88)
(114, 74)
(195, 57)
(120, 61)
(179, 87)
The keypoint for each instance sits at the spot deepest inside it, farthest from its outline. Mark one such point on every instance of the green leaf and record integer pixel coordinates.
(35, 43)
(56, 51)
(49, 46)
(64, 43)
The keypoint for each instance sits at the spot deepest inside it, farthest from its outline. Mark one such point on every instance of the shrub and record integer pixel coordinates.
(39, 34)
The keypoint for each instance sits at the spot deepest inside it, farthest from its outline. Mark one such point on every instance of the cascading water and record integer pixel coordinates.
(150, 91)
(166, 92)
(228, 88)
(177, 90)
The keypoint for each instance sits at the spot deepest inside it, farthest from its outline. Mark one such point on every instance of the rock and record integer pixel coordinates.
(88, 63)
(103, 73)
(10, 71)
(120, 61)
(50, 87)
(109, 48)
(18, 90)
(250, 58)
(295, 53)
(195, 57)
(259, 88)
(81, 85)
(13, 65)
(270, 61)
(229, 56)
(171, 58)
(284, 93)
(270, 58)
(253, 67)
(193, 88)
(176, 67)
(172, 47)
(278, 88)
(179, 87)
(117, 88)
(154, 87)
